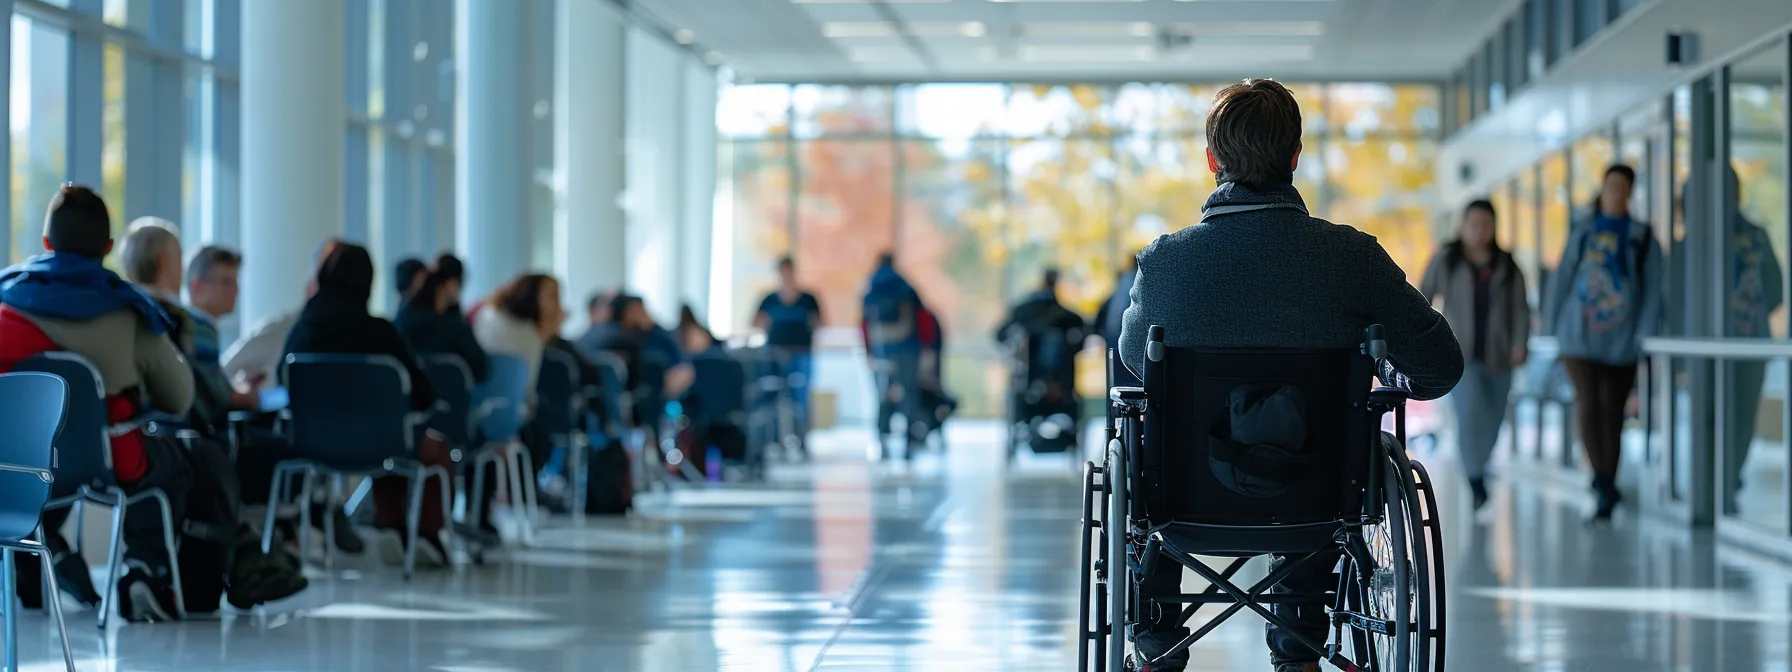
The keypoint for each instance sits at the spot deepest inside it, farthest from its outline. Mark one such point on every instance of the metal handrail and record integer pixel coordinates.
(1719, 348)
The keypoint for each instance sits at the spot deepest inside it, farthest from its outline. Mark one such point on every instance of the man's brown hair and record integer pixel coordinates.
(1254, 132)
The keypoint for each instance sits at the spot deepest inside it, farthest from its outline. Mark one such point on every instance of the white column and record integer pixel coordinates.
(590, 252)
(698, 187)
(491, 168)
(292, 147)
(653, 91)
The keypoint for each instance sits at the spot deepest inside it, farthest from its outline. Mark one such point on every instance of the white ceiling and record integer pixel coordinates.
(1020, 40)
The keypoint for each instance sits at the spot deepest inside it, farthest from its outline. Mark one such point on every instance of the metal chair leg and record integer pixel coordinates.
(12, 610)
(330, 521)
(115, 549)
(168, 541)
(447, 477)
(513, 477)
(476, 496)
(78, 512)
(305, 512)
(413, 517)
(276, 492)
(54, 600)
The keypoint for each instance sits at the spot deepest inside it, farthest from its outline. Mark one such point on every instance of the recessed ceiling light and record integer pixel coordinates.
(858, 29)
(1038, 54)
(972, 29)
(1252, 28)
(684, 36)
(1088, 29)
(879, 54)
(713, 58)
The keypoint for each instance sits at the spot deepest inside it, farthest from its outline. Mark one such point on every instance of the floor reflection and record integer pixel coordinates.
(956, 563)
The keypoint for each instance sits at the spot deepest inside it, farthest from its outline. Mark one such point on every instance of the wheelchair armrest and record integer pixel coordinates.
(1389, 396)
(1129, 397)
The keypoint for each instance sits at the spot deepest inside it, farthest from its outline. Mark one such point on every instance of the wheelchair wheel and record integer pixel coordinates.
(1385, 600)
(1431, 521)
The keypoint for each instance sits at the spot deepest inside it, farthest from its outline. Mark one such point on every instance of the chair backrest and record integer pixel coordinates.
(453, 383)
(719, 382)
(1188, 475)
(84, 451)
(557, 397)
(612, 374)
(499, 400)
(33, 407)
(349, 412)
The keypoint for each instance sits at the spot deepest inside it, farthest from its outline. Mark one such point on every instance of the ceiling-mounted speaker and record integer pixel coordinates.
(1682, 49)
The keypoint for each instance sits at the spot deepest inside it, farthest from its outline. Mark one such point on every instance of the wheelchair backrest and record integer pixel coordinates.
(1255, 436)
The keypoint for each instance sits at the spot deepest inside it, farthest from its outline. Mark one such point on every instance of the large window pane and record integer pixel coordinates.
(1555, 216)
(197, 162)
(954, 250)
(1592, 155)
(1382, 187)
(1044, 110)
(1183, 107)
(845, 218)
(956, 111)
(841, 110)
(755, 216)
(1754, 453)
(1063, 200)
(112, 134)
(39, 129)
(1362, 109)
(1523, 242)
(1163, 182)
(752, 111)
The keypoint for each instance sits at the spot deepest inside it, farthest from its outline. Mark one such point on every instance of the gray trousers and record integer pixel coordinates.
(1480, 405)
(1745, 382)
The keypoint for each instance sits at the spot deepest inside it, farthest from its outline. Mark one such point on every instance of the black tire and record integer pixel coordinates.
(1431, 522)
(1380, 581)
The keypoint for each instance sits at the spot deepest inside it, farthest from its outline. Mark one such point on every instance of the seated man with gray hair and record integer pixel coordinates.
(151, 254)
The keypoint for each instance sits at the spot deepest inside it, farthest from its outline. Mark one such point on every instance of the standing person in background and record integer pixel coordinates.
(789, 317)
(1606, 296)
(898, 333)
(1483, 295)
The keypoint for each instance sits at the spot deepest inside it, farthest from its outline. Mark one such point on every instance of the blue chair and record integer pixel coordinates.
(32, 408)
(559, 405)
(453, 382)
(498, 419)
(350, 415)
(84, 469)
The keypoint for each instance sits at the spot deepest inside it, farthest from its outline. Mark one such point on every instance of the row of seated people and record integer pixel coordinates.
(153, 354)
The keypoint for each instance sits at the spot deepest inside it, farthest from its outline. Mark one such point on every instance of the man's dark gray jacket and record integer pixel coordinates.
(1278, 278)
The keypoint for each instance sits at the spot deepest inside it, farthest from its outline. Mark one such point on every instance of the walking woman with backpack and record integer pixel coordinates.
(1483, 295)
(1606, 296)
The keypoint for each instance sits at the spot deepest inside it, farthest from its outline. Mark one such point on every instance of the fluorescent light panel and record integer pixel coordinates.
(1088, 29)
(1055, 54)
(1251, 28)
(867, 2)
(1061, 1)
(855, 29)
(1249, 53)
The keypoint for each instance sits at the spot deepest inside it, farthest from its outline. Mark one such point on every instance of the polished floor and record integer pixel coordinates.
(954, 564)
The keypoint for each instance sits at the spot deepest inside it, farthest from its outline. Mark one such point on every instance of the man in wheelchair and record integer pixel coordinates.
(1042, 338)
(1263, 312)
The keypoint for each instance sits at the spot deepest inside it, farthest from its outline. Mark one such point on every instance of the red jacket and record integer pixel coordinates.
(20, 339)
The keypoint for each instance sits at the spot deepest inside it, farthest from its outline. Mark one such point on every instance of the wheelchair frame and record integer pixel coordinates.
(1404, 505)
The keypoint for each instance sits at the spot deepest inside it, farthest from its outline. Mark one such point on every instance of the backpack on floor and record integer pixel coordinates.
(609, 481)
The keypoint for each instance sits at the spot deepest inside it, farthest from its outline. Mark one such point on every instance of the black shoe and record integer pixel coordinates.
(258, 579)
(73, 578)
(1478, 486)
(346, 540)
(1136, 663)
(1606, 497)
(146, 599)
(483, 534)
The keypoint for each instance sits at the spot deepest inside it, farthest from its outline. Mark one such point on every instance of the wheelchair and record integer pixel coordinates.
(1044, 411)
(1175, 485)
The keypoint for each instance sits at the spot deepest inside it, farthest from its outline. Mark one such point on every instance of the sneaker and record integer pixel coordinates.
(430, 555)
(1478, 487)
(146, 599)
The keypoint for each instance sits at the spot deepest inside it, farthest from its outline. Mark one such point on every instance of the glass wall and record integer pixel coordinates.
(1752, 466)
(978, 188)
